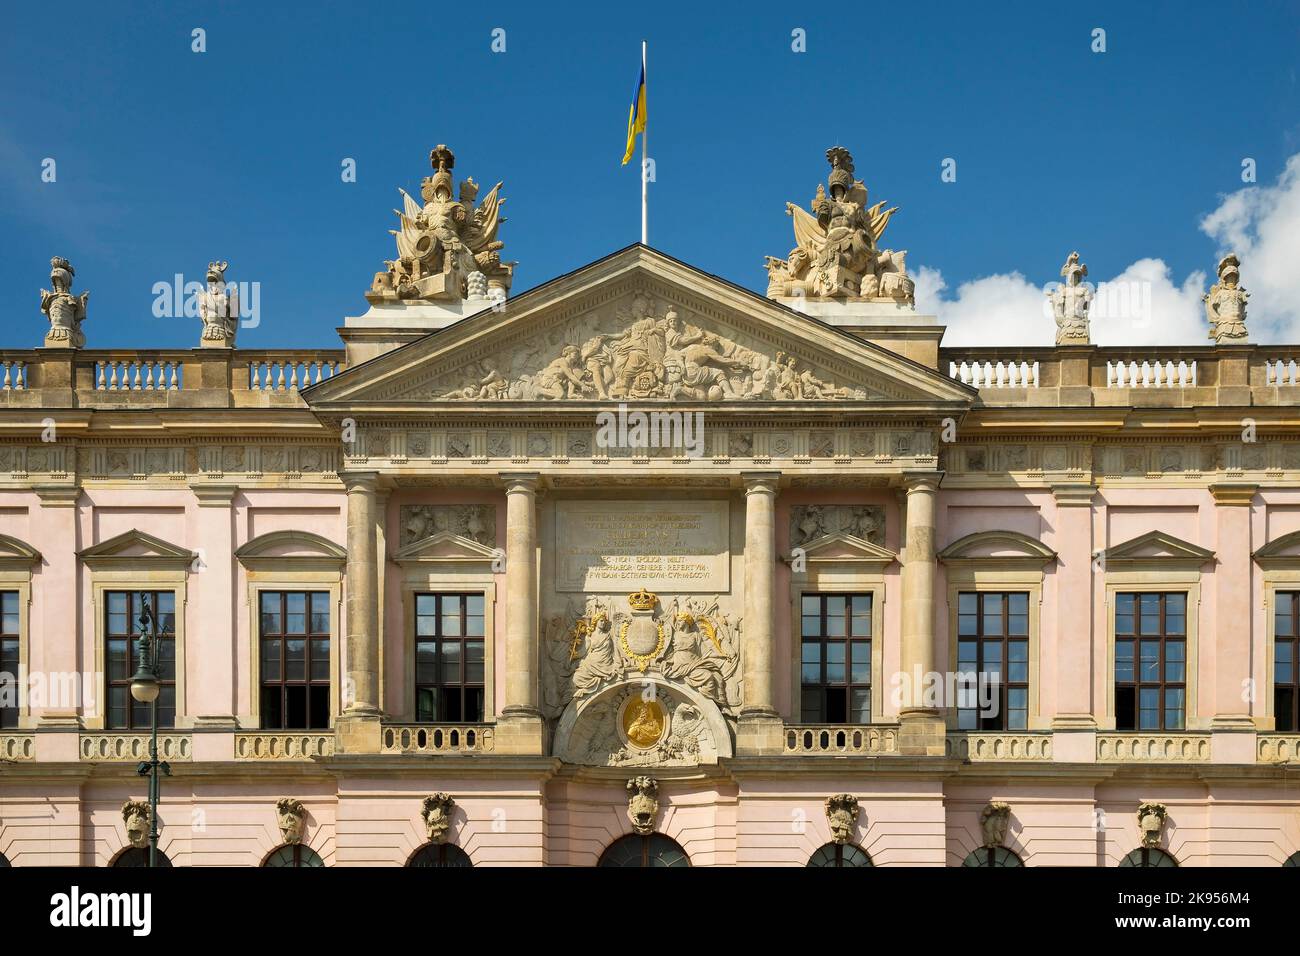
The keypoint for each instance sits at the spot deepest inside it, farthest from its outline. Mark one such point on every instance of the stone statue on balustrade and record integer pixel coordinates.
(65, 311)
(447, 249)
(218, 309)
(1225, 303)
(1071, 301)
(836, 253)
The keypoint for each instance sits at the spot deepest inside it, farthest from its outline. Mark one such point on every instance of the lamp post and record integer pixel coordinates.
(146, 685)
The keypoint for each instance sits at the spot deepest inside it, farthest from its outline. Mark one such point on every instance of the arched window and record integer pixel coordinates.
(993, 856)
(294, 854)
(840, 854)
(1148, 856)
(652, 850)
(1292, 860)
(439, 854)
(139, 856)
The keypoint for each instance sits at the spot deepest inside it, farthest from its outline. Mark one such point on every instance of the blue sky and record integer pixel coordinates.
(167, 158)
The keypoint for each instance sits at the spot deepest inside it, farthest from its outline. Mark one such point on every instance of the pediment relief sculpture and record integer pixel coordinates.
(995, 819)
(478, 523)
(1151, 822)
(837, 251)
(436, 811)
(137, 816)
(842, 815)
(643, 804)
(291, 818)
(447, 249)
(643, 349)
(811, 522)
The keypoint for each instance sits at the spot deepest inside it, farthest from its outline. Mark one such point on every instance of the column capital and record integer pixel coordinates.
(57, 495)
(517, 481)
(922, 481)
(760, 481)
(1074, 496)
(213, 494)
(360, 480)
(1233, 493)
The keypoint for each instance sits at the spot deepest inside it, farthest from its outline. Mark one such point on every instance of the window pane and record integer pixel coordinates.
(320, 659)
(835, 606)
(810, 706)
(473, 662)
(811, 653)
(426, 662)
(835, 625)
(1174, 708)
(295, 659)
(1018, 603)
(474, 626)
(1018, 672)
(1150, 670)
(810, 673)
(812, 605)
(319, 696)
(968, 625)
(1124, 604)
(812, 627)
(450, 662)
(861, 662)
(426, 604)
(320, 613)
(474, 605)
(1018, 625)
(1176, 604)
(271, 660)
(968, 603)
(860, 704)
(271, 612)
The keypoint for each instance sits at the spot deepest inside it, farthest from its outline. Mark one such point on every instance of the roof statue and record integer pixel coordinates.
(65, 311)
(1071, 301)
(1225, 303)
(447, 249)
(836, 253)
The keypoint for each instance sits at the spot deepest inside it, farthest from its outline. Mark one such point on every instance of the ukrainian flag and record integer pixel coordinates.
(636, 114)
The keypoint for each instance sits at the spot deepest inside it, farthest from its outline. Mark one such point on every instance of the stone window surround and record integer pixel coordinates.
(1022, 573)
(467, 572)
(1177, 578)
(17, 559)
(841, 577)
(1281, 572)
(144, 574)
(320, 571)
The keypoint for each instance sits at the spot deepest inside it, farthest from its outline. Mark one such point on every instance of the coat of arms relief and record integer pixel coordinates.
(654, 685)
(642, 349)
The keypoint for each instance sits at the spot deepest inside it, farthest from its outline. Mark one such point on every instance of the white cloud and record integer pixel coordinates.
(1262, 225)
(1144, 305)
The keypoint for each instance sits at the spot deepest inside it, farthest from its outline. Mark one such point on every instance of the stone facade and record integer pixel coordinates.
(635, 489)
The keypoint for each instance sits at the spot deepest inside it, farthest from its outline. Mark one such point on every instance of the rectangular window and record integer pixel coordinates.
(993, 660)
(122, 611)
(1150, 661)
(449, 648)
(9, 690)
(1286, 672)
(294, 629)
(835, 658)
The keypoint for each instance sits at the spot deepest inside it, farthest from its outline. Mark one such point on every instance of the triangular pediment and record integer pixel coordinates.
(841, 547)
(136, 546)
(637, 326)
(445, 546)
(1157, 546)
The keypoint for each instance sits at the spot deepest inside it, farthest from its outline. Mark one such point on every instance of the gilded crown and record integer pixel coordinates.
(642, 600)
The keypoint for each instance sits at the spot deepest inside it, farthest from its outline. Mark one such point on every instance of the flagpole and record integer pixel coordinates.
(645, 134)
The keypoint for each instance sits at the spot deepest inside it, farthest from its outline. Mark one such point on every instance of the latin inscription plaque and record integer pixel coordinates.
(671, 546)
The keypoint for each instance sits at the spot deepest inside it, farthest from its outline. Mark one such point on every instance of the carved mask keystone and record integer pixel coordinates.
(136, 814)
(437, 810)
(1151, 821)
(291, 817)
(643, 804)
(994, 820)
(842, 815)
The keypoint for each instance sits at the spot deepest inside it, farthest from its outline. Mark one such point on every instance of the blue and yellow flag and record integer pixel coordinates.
(636, 115)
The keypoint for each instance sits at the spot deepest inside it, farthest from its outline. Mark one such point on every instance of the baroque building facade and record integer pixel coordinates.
(641, 567)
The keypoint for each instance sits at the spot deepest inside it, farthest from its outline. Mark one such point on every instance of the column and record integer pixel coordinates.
(921, 726)
(1074, 725)
(760, 727)
(520, 728)
(1228, 644)
(210, 654)
(358, 727)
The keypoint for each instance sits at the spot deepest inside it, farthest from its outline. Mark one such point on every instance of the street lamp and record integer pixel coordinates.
(146, 685)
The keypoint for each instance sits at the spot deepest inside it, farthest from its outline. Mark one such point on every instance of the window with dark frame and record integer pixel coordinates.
(1286, 664)
(1150, 661)
(993, 644)
(835, 658)
(449, 648)
(9, 637)
(121, 636)
(295, 659)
